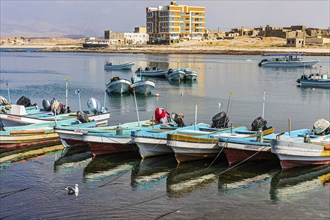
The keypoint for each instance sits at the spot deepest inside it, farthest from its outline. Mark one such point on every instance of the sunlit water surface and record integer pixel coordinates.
(123, 186)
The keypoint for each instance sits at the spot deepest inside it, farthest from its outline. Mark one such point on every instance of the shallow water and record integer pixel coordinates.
(124, 187)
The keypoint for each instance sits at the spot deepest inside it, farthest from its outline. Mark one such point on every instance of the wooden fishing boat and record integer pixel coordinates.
(302, 151)
(14, 138)
(153, 141)
(251, 146)
(192, 146)
(123, 66)
(102, 140)
(18, 115)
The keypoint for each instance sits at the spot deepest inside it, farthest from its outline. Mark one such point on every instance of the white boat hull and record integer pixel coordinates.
(176, 75)
(15, 120)
(125, 66)
(119, 86)
(294, 154)
(289, 63)
(143, 87)
(149, 147)
(188, 151)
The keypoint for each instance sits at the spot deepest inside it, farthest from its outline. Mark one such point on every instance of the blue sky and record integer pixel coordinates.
(91, 18)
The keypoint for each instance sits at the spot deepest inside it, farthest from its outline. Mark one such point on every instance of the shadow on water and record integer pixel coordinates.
(103, 170)
(294, 183)
(248, 175)
(190, 176)
(150, 172)
(73, 157)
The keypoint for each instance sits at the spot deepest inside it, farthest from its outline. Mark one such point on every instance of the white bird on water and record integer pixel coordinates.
(72, 191)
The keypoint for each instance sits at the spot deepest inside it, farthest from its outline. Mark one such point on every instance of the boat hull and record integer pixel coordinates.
(14, 120)
(156, 73)
(237, 155)
(126, 66)
(118, 86)
(175, 76)
(289, 63)
(189, 151)
(295, 154)
(143, 87)
(150, 147)
(322, 83)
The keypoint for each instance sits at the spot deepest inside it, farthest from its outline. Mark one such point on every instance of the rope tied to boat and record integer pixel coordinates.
(236, 165)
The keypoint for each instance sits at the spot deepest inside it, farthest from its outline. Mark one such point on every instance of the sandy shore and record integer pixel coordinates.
(240, 46)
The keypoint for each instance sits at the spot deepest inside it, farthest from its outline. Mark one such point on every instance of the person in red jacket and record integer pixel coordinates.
(162, 115)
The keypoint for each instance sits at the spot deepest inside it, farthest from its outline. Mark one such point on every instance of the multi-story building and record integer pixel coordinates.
(168, 24)
(119, 38)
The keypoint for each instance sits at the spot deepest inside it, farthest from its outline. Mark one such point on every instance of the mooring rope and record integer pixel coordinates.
(236, 165)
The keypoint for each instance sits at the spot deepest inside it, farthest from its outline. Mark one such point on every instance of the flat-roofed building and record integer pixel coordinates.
(168, 24)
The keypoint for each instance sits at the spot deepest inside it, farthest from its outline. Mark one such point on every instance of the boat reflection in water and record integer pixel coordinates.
(22, 155)
(73, 157)
(151, 172)
(105, 167)
(294, 183)
(193, 175)
(247, 176)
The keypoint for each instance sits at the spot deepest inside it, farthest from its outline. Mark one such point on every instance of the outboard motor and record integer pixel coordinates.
(46, 105)
(259, 124)
(56, 107)
(3, 101)
(82, 117)
(24, 101)
(178, 119)
(321, 127)
(220, 120)
(170, 71)
(94, 106)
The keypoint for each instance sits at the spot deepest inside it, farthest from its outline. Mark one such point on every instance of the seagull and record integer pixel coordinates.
(71, 190)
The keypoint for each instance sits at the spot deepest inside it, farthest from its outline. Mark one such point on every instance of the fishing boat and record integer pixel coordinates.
(312, 80)
(190, 75)
(29, 136)
(123, 66)
(102, 140)
(313, 148)
(142, 86)
(203, 143)
(17, 115)
(175, 75)
(118, 85)
(254, 148)
(153, 141)
(153, 72)
(286, 60)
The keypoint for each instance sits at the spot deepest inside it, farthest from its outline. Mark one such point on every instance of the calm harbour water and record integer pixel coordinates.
(123, 186)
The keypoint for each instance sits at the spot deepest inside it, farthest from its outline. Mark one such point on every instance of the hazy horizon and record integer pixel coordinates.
(91, 18)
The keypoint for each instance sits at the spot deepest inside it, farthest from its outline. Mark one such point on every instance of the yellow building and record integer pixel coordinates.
(168, 24)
